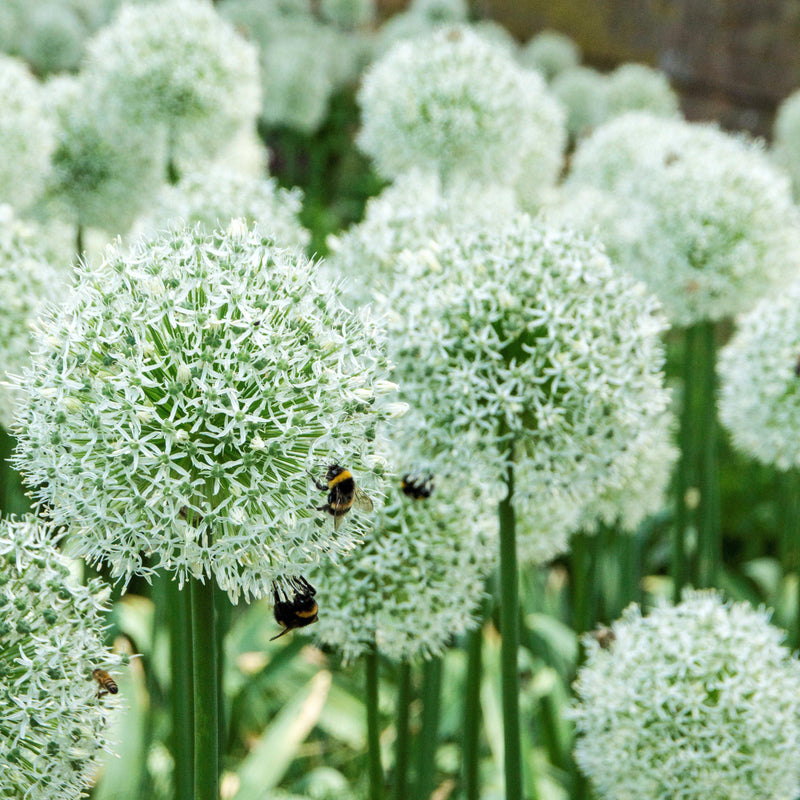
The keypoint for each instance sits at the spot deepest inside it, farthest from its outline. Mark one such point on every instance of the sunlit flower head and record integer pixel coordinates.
(183, 398)
(456, 104)
(26, 134)
(52, 724)
(216, 195)
(698, 700)
(759, 399)
(178, 64)
(719, 228)
(551, 53)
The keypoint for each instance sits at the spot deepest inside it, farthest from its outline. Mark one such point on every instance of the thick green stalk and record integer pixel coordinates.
(402, 743)
(223, 607)
(470, 748)
(790, 541)
(428, 739)
(373, 726)
(79, 243)
(509, 629)
(178, 609)
(583, 575)
(204, 662)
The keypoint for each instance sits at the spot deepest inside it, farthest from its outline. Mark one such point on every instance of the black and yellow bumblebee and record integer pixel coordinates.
(343, 494)
(299, 611)
(418, 487)
(106, 683)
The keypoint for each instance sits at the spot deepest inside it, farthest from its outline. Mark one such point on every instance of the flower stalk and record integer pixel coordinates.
(472, 715)
(429, 730)
(403, 733)
(373, 726)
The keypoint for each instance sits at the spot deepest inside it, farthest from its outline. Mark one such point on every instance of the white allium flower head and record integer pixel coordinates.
(786, 137)
(26, 134)
(408, 215)
(28, 278)
(348, 14)
(525, 334)
(637, 87)
(698, 701)
(759, 398)
(418, 578)
(180, 64)
(721, 227)
(104, 170)
(582, 92)
(550, 53)
(53, 38)
(440, 10)
(216, 195)
(179, 400)
(454, 103)
(544, 521)
(52, 725)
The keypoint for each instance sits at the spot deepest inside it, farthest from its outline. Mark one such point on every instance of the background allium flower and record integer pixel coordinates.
(52, 726)
(215, 196)
(526, 334)
(26, 134)
(722, 227)
(786, 133)
(53, 37)
(179, 64)
(698, 700)
(348, 14)
(104, 170)
(418, 578)
(29, 277)
(582, 92)
(637, 87)
(550, 53)
(545, 521)
(180, 398)
(454, 103)
(410, 214)
(759, 400)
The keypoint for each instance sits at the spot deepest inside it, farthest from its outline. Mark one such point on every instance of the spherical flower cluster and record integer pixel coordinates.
(421, 17)
(786, 135)
(53, 37)
(759, 399)
(698, 701)
(179, 64)
(410, 214)
(636, 87)
(348, 14)
(453, 103)
(217, 195)
(28, 278)
(180, 401)
(582, 92)
(104, 170)
(718, 224)
(544, 521)
(521, 342)
(26, 134)
(52, 725)
(551, 53)
(418, 578)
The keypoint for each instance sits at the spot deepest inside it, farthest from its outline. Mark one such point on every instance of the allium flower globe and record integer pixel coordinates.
(718, 224)
(698, 701)
(759, 398)
(786, 133)
(455, 104)
(636, 87)
(551, 53)
(521, 342)
(178, 64)
(52, 725)
(582, 92)
(26, 134)
(216, 195)
(181, 400)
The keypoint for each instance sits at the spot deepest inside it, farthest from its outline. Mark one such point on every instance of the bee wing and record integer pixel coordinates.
(361, 501)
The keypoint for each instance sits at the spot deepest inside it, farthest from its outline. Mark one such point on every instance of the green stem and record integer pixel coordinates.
(790, 541)
(402, 744)
(428, 739)
(373, 726)
(223, 606)
(472, 715)
(509, 629)
(79, 242)
(581, 555)
(178, 609)
(204, 662)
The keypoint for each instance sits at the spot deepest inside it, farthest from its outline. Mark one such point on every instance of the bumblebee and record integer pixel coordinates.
(106, 684)
(417, 487)
(343, 494)
(298, 612)
(604, 636)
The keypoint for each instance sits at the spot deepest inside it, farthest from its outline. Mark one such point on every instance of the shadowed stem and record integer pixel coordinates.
(373, 726)
(206, 708)
(429, 730)
(790, 541)
(403, 734)
(472, 715)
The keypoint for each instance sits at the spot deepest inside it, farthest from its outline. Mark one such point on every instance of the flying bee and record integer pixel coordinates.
(106, 684)
(418, 487)
(343, 494)
(299, 611)
(604, 636)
